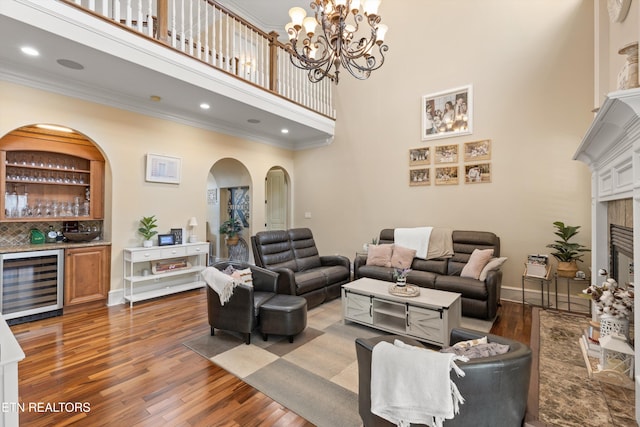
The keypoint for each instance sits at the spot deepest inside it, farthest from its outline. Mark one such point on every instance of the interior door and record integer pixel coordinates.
(276, 193)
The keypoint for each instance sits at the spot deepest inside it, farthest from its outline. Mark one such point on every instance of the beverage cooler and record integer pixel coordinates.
(32, 285)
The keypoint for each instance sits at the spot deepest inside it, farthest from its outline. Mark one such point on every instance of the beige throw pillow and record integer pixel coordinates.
(478, 259)
(243, 276)
(493, 264)
(402, 257)
(380, 255)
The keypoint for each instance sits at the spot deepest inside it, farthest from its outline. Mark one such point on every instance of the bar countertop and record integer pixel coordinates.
(48, 246)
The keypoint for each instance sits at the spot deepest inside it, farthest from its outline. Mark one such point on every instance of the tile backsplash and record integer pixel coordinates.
(18, 233)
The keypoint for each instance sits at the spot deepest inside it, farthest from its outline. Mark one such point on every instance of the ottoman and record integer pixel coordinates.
(283, 315)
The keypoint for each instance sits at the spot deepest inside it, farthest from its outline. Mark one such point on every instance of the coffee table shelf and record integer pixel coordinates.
(428, 317)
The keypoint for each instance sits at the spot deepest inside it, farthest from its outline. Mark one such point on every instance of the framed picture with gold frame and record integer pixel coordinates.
(447, 175)
(446, 154)
(477, 173)
(418, 177)
(477, 150)
(419, 156)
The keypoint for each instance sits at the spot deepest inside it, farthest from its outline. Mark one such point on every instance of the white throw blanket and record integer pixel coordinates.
(414, 238)
(222, 283)
(413, 385)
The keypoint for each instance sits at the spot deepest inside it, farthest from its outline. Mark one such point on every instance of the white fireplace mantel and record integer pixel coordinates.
(611, 149)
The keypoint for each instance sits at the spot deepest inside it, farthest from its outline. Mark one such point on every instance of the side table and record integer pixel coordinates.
(542, 281)
(569, 281)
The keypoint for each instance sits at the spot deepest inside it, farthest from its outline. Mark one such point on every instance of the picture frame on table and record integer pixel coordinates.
(447, 113)
(163, 169)
(177, 235)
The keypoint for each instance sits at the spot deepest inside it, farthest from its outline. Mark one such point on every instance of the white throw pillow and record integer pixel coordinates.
(493, 264)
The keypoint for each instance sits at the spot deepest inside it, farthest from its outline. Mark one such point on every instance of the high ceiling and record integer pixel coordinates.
(112, 79)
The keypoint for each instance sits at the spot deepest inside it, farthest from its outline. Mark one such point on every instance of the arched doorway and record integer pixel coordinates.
(277, 200)
(229, 189)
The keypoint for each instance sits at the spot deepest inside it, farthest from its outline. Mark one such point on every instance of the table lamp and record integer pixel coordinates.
(193, 223)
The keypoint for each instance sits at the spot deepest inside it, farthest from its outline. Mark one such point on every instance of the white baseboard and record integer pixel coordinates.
(534, 297)
(116, 297)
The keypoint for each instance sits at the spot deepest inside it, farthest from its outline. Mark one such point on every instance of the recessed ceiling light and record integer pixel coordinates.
(31, 51)
(54, 127)
(205, 106)
(253, 121)
(285, 131)
(70, 64)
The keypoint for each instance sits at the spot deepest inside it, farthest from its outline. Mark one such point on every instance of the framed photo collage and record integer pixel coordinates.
(446, 114)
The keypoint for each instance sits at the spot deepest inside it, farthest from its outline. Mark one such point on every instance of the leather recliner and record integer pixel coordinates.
(495, 388)
(303, 272)
(240, 313)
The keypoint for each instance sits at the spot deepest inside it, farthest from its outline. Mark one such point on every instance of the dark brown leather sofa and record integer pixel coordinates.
(495, 388)
(293, 254)
(480, 299)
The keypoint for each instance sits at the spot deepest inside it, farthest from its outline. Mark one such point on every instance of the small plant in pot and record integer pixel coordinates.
(232, 228)
(567, 253)
(147, 229)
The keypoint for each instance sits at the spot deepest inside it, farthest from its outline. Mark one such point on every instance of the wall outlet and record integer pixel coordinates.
(307, 215)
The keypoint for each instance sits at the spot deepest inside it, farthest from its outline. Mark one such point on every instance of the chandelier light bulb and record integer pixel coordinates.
(297, 15)
(381, 32)
(371, 7)
(309, 23)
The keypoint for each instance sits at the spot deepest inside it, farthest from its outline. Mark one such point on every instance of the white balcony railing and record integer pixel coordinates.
(212, 34)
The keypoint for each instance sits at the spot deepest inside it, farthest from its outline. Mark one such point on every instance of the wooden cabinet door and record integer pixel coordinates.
(86, 274)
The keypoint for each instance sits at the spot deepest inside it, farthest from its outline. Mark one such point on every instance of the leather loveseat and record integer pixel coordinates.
(293, 254)
(480, 298)
(495, 388)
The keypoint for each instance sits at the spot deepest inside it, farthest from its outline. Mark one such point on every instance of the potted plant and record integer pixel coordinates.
(232, 228)
(567, 253)
(400, 275)
(146, 229)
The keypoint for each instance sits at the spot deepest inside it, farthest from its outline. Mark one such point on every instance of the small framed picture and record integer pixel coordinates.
(477, 150)
(177, 235)
(477, 173)
(419, 156)
(419, 177)
(446, 154)
(166, 239)
(163, 169)
(446, 175)
(447, 113)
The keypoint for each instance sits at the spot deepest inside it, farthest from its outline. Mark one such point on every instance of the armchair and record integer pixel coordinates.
(240, 313)
(495, 388)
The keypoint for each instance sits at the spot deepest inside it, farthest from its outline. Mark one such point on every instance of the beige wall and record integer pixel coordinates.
(531, 67)
(125, 138)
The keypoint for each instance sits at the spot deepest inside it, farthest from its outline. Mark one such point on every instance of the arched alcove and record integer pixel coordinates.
(277, 199)
(229, 194)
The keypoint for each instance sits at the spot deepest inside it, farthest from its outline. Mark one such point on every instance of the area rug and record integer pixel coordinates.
(567, 396)
(316, 376)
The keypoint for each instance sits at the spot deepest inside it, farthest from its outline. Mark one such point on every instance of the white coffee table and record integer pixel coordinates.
(428, 317)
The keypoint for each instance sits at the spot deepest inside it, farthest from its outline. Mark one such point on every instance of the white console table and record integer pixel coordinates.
(142, 284)
(10, 354)
(428, 317)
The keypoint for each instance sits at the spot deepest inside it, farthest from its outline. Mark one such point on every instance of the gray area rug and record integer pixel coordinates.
(316, 376)
(567, 396)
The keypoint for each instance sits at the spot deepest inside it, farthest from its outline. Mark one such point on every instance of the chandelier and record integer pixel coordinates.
(340, 41)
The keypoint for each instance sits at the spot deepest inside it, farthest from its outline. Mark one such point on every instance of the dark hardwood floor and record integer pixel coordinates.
(129, 368)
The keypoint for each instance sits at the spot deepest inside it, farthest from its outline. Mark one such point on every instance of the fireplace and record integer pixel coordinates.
(621, 254)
